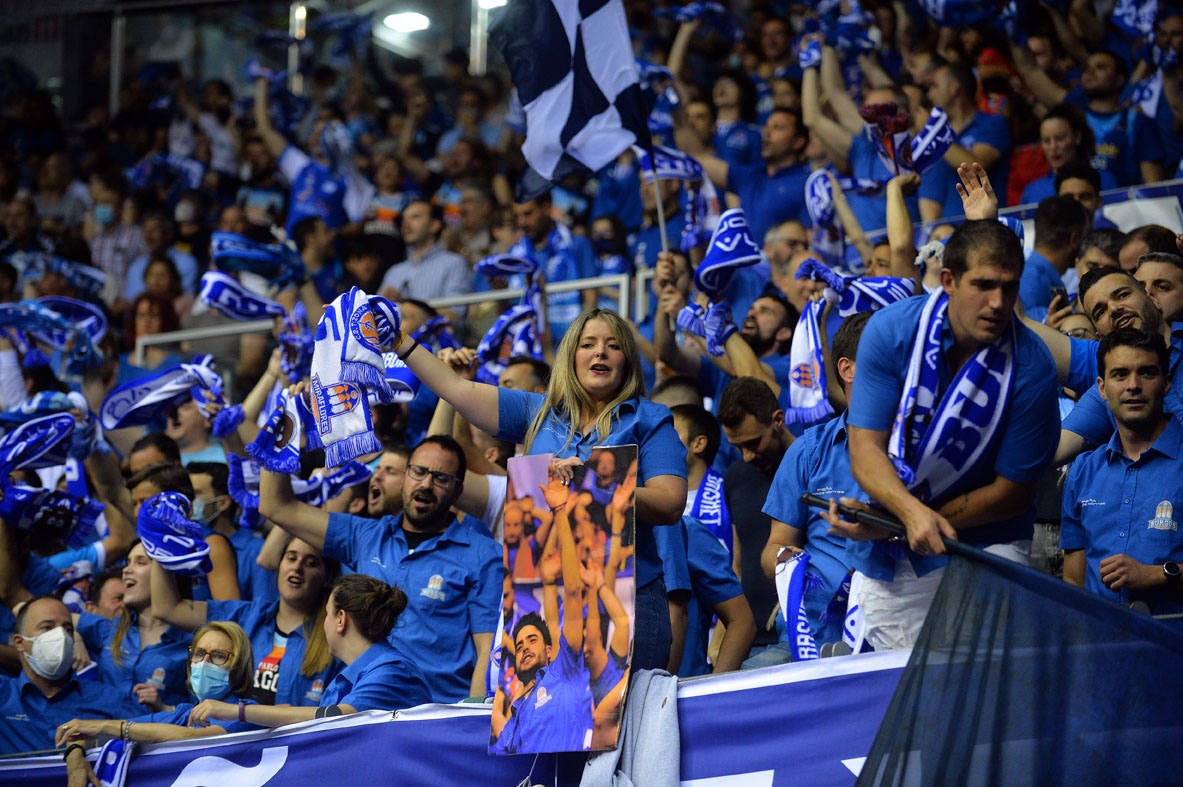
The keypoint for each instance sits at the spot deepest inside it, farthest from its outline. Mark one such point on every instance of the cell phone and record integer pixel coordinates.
(881, 519)
(1061, 291)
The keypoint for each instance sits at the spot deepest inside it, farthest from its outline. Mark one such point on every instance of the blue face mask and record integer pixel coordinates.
(209, 681)
(104, 214)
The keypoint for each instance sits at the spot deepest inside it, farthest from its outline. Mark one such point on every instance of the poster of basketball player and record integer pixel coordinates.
(567, 627)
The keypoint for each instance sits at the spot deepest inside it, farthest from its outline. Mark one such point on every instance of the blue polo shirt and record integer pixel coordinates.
(564, 257)
(1039, 276)
(165, 664)
(257, 619)
(738, 143)
(1091, 418)
(1113, 505)
(1023, 445)
(711, 581)
(637, 422)
(940, 183)
(453, 583)
(1042, 188)
(817, 462)
(557, 714)
(767, 200)
(29, 719)
(379, 679)
(871, 209)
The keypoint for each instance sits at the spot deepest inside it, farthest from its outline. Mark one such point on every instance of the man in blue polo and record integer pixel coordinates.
(1118, 530)
(451, 573)
(816, 462)
(561, 256)
(975, 395)
(47, 693)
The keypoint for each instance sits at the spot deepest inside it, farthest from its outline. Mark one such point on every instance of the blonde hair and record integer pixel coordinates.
(242, 663)
(566, 396)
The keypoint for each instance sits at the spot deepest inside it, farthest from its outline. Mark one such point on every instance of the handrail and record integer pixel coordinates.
(621, 280)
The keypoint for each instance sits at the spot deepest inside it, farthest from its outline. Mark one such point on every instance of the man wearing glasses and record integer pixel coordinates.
(451, 572)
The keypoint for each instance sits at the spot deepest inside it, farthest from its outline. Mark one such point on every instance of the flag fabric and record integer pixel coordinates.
(576, 77)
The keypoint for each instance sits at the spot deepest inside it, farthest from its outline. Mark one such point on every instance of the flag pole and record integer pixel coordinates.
(665, 241)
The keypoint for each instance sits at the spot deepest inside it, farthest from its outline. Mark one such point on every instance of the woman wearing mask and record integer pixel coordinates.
(595, 397)
(293, 661)
(219, 667)
(358, 618)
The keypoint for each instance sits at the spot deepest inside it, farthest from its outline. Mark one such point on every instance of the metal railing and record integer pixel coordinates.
(620, 280)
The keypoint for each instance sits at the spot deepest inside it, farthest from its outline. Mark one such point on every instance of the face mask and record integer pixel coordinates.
(185, 212)
(604, 245)
(209, 681)
(104, 214)
(204, 512)
(52, 653)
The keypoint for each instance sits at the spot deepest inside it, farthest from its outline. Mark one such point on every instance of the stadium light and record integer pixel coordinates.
(407, 22)
(489, 5)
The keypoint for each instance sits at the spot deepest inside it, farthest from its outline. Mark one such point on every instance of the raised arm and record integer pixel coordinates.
(900, 235)
(275, 142)
(278, 503)
(475, 401)
(834, 134)
(167, 604)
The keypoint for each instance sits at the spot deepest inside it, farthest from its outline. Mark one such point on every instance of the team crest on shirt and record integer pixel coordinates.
(1163, 517)
(542, 696)
(314, 693)
(435, 588)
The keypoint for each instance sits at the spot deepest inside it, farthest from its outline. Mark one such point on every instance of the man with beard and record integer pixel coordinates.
(1119, 534)
(755, 425)
(451, 573)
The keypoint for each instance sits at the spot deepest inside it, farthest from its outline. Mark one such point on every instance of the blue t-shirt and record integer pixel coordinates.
(1021, 448)
(165, 664)
(767, 200)
(257, 619)
(1124, 139)
(637, 422)
(871, 210)
(1113, 505)
(186, 266)
(557, 714)
(29, 720)
(1039, 277)
(738, 143)
(816, 462)
(712, 581)
(453, 583)
(379, 679)
(940, 183)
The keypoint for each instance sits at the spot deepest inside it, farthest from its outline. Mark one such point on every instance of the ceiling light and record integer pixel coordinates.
(407, 22)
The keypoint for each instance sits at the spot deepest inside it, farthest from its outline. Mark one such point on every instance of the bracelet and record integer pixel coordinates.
(559, 507)
(407, 354)
(126, 732)
(70, 748)
(242, 710)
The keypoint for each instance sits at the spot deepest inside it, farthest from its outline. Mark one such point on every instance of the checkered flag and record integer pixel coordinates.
(576, 77)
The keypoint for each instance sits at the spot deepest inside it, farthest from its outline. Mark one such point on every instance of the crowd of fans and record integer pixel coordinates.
(387, 179)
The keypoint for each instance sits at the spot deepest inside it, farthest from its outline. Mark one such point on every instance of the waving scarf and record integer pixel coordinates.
(170, 538)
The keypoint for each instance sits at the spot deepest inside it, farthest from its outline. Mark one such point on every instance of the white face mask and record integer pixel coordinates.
(52, 653)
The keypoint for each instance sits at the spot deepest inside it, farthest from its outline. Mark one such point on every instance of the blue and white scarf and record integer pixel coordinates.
(277, 448)
(37, 443)
(506, 265)
(888, 129)
(714, 16)
(228, 417)
(276, 262)
(147, 400)
(346, 364)
(730, 249)
(39, 320)
(1135, 18)
(516, 332)
(828, 236)
(297, 343)
(710, 508)
(928, 460)
(113, 761)
(89, 321)
(226, 294)
(323, 487)
(808, 375)
(87, 280)
(792, 578)
(242, 483)
(171, 538)
(50, 513)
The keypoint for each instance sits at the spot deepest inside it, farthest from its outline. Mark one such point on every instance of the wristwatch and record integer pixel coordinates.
(1172, 571)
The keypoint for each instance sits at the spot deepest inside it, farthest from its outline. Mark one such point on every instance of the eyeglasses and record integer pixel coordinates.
(218, 657)
(440, 479)
(1080, 333)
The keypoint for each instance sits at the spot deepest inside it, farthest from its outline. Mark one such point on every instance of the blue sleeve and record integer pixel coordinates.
(585, 258)
(661, 451)
(1082, 365)
(711, 575)
(1090, 418)
(1031, 429)
(63, 560)
(1147, 142)
(996, 133)
(1072, 534)
(875, 395)
(484, 598)
(96, 631)
(229, 611)
(671, 546)
(784, 496)
(515, 409)
(340, 538)
(1034, 288)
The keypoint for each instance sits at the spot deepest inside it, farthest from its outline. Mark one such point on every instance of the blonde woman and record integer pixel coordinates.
(595, 397)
